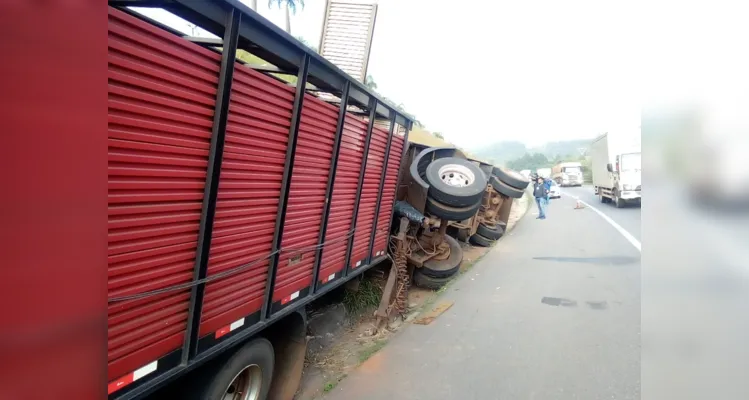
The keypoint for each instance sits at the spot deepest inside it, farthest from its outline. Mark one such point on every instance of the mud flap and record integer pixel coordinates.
(290, 350)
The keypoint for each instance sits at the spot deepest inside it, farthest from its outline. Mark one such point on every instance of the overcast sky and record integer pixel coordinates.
(532, 71)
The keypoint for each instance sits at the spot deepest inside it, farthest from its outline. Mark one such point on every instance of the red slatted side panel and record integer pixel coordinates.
(309, 181)
(388, 194)
(162, 92)
(344, 196)
(250, 185)
(369, 197)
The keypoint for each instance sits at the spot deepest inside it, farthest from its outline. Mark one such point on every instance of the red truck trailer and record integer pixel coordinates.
(235, 198)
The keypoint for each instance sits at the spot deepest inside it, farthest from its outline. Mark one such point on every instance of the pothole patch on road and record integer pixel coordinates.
(556, 302)
(597, 305)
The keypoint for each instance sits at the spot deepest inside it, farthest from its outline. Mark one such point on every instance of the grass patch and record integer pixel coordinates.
(367, 297)
(365, 354)
(329, 386)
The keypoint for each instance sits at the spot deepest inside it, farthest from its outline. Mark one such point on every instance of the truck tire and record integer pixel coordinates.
(451, 213)
(508, 190)
(496, 184)
(489, 232)
(455, 182)
(423, 281)
(618, 202)
(512, 178)
(481, 241)
(249, 369)
(462, 235)
(447, 267)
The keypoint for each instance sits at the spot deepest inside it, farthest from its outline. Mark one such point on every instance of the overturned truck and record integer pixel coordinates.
(237, 194)
(490, 221)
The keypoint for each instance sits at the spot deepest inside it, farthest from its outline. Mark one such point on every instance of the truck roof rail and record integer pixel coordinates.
(264, 39)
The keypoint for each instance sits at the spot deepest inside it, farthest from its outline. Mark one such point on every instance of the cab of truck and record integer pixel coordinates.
(628, 175)
(568, 174)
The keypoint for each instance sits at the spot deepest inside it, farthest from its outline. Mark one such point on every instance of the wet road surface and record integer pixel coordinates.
(552, 312)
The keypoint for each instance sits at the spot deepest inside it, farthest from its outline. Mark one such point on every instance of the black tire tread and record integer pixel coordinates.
(481, 241)
(489, 232)
(508, 190)
(447, 267)
(453, 196)
(259, 351)
(511, 177)
(451, 213)
(423, 281)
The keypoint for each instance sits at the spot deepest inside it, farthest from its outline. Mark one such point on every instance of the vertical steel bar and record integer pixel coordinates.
(296, 117)
(372, 116)
(213, 175)
(331, 184)
(381, 188)
(398, 180)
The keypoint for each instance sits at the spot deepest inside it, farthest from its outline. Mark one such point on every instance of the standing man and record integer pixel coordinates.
(540, 193)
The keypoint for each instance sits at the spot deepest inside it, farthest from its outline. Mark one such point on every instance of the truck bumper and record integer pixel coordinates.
(630, 195)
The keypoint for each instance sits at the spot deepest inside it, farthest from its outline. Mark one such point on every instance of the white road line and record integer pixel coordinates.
(631, 239)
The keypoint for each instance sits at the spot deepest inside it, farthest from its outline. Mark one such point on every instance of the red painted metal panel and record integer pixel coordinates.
(388, 194)
(317, 129)
(344, 196)
(161, 98)
(249, 188)
(369, 196)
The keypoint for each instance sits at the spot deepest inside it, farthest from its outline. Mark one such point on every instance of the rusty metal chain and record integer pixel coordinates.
(402, 280)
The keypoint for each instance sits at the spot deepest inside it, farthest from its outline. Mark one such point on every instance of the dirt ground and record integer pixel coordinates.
(359, 339)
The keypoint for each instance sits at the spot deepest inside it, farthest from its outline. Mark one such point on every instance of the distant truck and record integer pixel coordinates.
(616, 168)
(567, 174)
(544, 172)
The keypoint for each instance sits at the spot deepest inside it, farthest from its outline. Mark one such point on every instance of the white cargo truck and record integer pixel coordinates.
(616, 167)
(544, 172)
(567, 173)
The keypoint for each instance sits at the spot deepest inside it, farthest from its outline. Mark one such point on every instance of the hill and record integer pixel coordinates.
(503, 152)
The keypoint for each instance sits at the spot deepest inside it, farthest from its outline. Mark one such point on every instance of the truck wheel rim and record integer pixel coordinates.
(245, 385)
(456, 175)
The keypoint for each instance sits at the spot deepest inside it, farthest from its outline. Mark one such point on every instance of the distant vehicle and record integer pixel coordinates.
(567, 173)
(554, 191)
(544, 172)
(616, 163)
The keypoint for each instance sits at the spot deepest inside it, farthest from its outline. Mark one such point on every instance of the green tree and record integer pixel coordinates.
(529, 161)
(308, 44)
(370, 82)
(290, 8)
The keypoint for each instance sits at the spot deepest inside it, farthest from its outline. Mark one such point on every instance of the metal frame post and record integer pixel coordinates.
(331, 184)
(296, 117)
(382, 187)
(372, 116)
(213, 175)
(398, 180)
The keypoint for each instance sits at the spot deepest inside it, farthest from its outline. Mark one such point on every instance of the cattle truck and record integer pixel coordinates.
(237, 195)
(616, 167)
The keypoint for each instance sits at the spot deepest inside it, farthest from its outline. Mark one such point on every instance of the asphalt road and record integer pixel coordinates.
(627, 217)
(552, 312)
